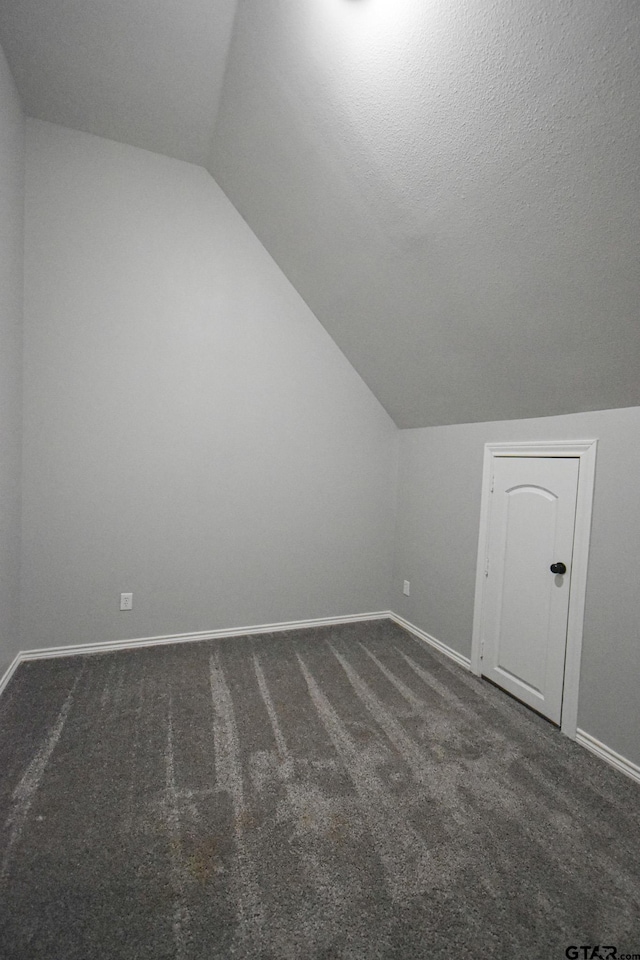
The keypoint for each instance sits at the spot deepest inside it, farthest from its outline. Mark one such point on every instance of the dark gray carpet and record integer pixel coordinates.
(332, 793)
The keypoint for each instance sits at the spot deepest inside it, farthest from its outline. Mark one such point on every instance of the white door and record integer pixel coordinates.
(526, 602)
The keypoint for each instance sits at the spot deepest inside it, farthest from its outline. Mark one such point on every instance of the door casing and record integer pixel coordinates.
(585, 450)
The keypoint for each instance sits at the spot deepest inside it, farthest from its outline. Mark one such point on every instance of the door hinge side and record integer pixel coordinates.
(486, 567)
(493, 483)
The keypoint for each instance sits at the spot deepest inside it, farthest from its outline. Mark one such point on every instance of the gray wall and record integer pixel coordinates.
(192, 433)
(11, 291)
(439, 489)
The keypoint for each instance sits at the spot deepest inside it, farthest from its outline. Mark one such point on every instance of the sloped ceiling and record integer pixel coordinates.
(144, 72)
(452, 185)
(454, 188)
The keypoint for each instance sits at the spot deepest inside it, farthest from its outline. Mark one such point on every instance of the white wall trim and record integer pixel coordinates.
(109, 646)
(459, 658)
(9, 672)
(585, 450)
(585, 739)
(610, 756)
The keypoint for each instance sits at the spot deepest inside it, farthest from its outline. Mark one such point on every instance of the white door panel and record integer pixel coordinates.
(524, 627)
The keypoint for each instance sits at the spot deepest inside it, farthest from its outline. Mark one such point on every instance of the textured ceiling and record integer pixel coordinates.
(145, 72)
(454, 188)
(452, 185)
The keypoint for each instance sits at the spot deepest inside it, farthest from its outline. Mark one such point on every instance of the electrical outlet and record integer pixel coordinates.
(126, 601)
(406, 589)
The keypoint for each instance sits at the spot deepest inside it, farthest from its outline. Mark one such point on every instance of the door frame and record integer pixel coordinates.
(585, 451)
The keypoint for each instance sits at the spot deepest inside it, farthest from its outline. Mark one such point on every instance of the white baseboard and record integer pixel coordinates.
(610, 756)
(585, 739)
(459, 658)
(9, 672)
(109, 646)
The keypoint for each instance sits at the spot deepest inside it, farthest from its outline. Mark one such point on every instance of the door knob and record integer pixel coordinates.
(558, 568)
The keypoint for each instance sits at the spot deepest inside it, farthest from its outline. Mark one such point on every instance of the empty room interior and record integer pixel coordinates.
(319, 479)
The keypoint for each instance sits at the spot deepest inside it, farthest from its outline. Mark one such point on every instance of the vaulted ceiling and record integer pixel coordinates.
(453, 186)
(144, 72)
